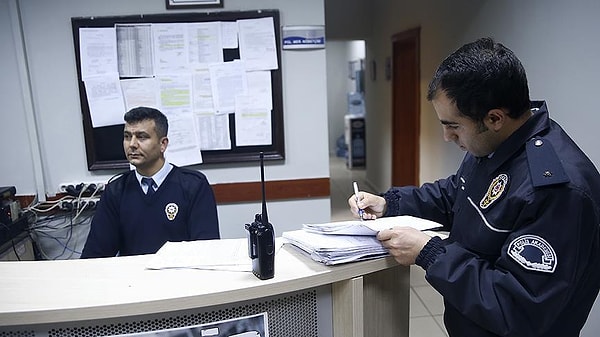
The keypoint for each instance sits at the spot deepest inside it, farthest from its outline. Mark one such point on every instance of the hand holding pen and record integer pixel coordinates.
(371, 206)
(361, 212)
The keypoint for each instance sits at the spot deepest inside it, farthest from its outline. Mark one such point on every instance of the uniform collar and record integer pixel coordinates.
(536, 124)
(159, 177)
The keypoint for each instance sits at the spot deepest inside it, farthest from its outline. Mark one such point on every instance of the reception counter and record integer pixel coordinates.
(112, 296)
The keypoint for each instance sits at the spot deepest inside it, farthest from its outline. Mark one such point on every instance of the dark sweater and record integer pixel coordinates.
(128, 222)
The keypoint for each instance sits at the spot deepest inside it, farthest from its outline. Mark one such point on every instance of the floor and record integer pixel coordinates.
(426, 306)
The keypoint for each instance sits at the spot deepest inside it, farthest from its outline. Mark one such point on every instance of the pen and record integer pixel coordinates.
(360, 211)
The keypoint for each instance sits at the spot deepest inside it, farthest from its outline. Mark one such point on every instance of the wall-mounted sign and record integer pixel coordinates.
(303, 37)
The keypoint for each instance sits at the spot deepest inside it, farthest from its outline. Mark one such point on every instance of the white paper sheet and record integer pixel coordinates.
(371, 227)
(218, 254)
(170, 43)
(227, 80)
(230, 254)
(134, 48)
(229, 34)
(184, 143)
(257, 43)
(252, 127)
(205, 43)
(213, 131)
(97, 51)
(140, 92)
(335, 249)
(349, 241)
(105, 99)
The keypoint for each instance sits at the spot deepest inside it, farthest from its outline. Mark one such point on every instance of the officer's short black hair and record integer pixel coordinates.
(141, 113)
(480, 76)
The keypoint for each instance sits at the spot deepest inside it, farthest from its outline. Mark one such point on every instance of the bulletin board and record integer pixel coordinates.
(104, 144)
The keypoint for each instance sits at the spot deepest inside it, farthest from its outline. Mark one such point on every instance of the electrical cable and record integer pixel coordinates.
(50, 226)
(12, 241)
(57, 222)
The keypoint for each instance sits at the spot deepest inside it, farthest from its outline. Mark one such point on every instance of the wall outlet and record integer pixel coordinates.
(78, 204)
(74, 188)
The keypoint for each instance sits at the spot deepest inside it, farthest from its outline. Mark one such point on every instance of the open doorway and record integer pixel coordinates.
(345, 60)
(345, 96)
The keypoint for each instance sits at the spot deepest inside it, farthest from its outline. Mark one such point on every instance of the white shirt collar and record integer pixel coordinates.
(159, 177)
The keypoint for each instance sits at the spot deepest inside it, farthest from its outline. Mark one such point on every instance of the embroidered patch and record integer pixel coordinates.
(533, 253)
(494, 191)
(171, 210)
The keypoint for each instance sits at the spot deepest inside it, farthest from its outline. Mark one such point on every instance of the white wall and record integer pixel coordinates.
(48, 86)
(555, 40)
(15, 115)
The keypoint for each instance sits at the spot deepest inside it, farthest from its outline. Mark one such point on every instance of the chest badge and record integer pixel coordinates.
(495, 191)
(171, 210)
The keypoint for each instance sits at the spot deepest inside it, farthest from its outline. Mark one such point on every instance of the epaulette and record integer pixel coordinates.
(544, 165)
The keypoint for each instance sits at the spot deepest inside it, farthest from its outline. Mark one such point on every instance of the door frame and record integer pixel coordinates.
(406, 107)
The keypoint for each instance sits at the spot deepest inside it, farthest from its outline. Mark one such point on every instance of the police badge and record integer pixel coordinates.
(495, 190)
(171, 210)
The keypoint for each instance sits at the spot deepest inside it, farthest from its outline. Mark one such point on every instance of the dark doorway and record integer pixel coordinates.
(406, 107)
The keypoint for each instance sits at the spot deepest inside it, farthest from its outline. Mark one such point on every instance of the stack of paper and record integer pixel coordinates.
(370, 227)
(349, 241)
(336, 249)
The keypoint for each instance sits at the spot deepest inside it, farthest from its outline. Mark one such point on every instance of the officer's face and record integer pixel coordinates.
(143, 148)
(469, 135)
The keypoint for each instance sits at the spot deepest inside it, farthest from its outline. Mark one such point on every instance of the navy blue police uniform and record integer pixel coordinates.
(523, 253)
(129, 222)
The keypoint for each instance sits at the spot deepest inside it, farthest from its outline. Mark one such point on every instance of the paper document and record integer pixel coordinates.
(370, 227)
(218, 254)
(336, 249)
(353, 240)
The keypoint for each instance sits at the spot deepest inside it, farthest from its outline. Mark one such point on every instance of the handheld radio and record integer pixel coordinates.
(261, 237)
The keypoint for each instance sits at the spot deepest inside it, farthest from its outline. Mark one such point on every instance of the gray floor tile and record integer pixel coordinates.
(440, 321)
(424, 327)
(417, 308)
(431, 299)
(417, 276)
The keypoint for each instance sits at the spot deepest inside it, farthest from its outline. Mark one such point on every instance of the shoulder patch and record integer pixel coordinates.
(545, 167)
(533, 253)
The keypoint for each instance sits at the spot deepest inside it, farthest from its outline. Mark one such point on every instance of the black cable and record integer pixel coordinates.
(12, 241)
(48, 226)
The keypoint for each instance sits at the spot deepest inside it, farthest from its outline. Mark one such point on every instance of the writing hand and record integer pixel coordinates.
(373, 206)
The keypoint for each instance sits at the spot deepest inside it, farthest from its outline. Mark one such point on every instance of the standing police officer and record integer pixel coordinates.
(523, 210)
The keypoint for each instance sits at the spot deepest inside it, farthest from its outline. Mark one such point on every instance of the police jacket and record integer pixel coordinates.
(523, 253)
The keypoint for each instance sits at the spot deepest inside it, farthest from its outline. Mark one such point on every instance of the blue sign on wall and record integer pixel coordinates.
(303, 37)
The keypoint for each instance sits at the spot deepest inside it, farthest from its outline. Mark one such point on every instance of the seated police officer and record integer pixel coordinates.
(157, 202)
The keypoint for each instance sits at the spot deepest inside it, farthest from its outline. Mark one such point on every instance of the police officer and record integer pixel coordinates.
(523, 210)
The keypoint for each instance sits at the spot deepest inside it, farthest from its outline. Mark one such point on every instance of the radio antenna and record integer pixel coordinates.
(264, 217)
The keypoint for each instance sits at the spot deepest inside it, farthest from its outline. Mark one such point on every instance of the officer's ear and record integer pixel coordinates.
(164, 142)
(495, 119)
